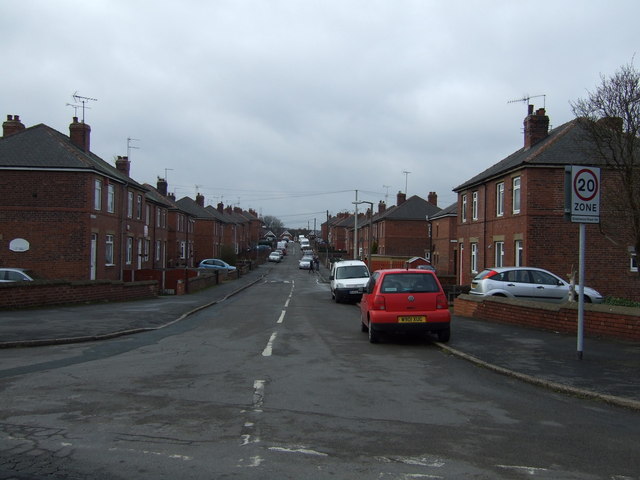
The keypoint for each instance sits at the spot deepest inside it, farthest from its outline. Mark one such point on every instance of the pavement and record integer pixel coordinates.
(609, 370)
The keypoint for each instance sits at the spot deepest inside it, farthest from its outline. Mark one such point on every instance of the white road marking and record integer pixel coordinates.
(529, 470)
(304, 451)
(281, 319)
(258, 395)
(269, 348)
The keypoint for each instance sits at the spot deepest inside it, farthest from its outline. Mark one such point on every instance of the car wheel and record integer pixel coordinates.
(336, 297)
(373, 335)
(444, 335)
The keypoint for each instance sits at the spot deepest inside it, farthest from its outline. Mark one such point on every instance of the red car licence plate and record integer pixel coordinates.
(412, 319)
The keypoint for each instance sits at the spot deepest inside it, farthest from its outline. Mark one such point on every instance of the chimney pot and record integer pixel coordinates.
(12, 125)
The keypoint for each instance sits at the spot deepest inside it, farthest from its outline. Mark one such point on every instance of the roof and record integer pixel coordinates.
(414, 208)
(42, 148)
(564, 145)
(450, 211)
(190, 206)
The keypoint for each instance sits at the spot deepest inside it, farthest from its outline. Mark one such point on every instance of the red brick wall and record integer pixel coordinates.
(38, 294)
(407, 238)
(444, 250)
(599, 320)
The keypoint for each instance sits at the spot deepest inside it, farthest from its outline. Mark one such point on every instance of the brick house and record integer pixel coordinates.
(513, 213)
(401, 230)
(74, 215)
(442, 240)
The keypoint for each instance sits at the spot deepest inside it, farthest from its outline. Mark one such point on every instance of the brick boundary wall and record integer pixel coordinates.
(599, 320)
(45, 293)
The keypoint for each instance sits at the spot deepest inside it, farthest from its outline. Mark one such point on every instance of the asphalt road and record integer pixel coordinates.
(279, 382)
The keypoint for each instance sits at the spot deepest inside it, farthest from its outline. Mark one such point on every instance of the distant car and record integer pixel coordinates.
(17, 275)
(305, 262)
(427, 267)
(275, 257)
(526, 283)
(216, 264)
(405, 301)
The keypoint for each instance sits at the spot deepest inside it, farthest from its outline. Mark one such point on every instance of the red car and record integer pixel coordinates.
(410, 301)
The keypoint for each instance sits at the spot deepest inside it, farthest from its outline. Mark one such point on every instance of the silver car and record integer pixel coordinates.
(526, 283)
(16, 275)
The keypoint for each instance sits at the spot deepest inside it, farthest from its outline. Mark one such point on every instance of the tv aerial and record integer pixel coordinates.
(526, 98)
(83, 100)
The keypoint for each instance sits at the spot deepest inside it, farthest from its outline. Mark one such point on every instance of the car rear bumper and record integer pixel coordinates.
(388, 322)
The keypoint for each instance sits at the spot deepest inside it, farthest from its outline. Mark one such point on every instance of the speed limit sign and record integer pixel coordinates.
(585, 194)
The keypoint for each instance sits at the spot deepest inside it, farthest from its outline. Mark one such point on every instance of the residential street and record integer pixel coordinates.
(279, 382)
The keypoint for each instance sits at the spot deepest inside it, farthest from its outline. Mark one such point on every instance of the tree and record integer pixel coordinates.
(273, 223)
(610, 117)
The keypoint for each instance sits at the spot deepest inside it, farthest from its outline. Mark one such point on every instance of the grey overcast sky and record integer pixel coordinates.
(289, 106)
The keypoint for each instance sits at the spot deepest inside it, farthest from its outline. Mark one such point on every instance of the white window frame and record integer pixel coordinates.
(111, 198)
(108, 251)
(474, 258)
(464, 208)
(129, 251)
(518, 251)
(500, 199)
(139, 207)
(183, 250)
(97, 194)
(516, 195)
(499, 254)
(158, 250)
(129, 204)
(633, 262)
(474, 205)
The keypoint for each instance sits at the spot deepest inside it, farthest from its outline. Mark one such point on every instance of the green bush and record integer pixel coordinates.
(621, 302)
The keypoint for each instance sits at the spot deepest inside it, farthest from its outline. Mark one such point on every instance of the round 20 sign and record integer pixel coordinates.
(585, 194)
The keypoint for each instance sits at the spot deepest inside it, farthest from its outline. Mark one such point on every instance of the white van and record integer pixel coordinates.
(348, 279)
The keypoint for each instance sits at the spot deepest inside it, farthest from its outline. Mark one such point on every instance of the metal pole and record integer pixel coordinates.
(355, 234)
(581, 291)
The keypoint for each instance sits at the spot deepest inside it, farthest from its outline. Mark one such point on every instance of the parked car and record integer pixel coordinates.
(216, 264)
(526, 283)
(405, 301)
(305, 262)
(427, 267)
(348, 279)
(17, 275)
(275, 256)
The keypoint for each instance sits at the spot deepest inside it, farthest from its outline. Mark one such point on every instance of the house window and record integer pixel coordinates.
(147, 244)
(139, 208)
(158, 250)
(500, 199)
(129, 253)
(633, 265)
(158, 212)
(111, 198)
(474, 205)
(108, 253)
(474, 258)
(130, 204)
(518, 253)
(183, 250)
(464, 208)
(97, 195)
(147, 214)
(516, 195)
(499, 249)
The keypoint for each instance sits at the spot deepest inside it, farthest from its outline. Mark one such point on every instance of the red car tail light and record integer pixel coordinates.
(441, 301)
(379, 303)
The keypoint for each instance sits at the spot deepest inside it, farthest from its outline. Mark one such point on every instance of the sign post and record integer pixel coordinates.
(582, 190)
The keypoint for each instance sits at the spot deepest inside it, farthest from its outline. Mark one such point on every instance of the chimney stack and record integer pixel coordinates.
(12, 125)
(433, 198)
(221, 207)
(381, 206)
(162, 186)
(80, 135)
(123, 165)
(536, 127)
(401, 198)
(200, 199)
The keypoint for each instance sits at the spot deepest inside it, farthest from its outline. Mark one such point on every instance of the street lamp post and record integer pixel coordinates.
(370, 228)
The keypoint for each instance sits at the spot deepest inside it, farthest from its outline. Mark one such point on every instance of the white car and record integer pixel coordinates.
(526, 283)
(305, 262)
(347, 279)
(275, 257)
